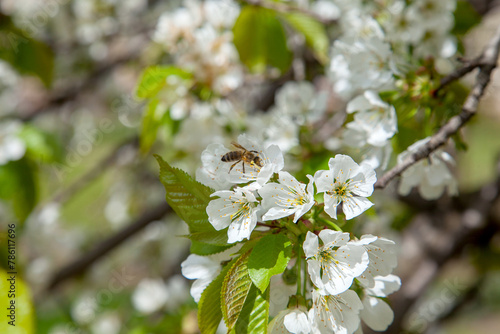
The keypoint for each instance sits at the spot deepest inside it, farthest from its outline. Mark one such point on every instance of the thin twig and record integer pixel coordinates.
(458, 73)
(285, 8)
(96, 171)
(81, 264)
(59, 98)
(469, 108)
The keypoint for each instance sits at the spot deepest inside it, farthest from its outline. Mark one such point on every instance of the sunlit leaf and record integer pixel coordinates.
(260, 39)
(235, 290)
(202, 248)
(188, 198)
(314, 33)
(209, 307)
(26, 55)
(210, 237)
(151, 121)
(154, 78)
(268, 258)
(40, 146)
(18, 180)
(255, 313)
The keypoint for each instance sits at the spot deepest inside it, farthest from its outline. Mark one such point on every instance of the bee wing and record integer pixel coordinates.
(235, 144)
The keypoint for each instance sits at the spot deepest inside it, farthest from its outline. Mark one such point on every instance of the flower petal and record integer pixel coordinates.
(354, 206)
(376, 314)
(331, 204)
(297, 322)
(196, 266)
(242, 228)
(334, 238)
(343, 167)
(323, 180)
(311, 245)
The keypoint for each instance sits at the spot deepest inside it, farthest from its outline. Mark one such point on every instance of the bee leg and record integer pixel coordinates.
(255, 152)
(243, 167)
(235, 165)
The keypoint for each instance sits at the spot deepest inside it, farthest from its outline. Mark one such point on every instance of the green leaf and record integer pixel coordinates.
(254, 314)
(151, 121)
(235, 290)
(201, 248)
(314, 33)
(40, 146)
(189, 199)
(26, 55)
(154, 78)
(268, 258)
(209, 307)
(24, 314)
(186, 196)
(210, 237)
(466, 17)
(18, 182)
(260, 39)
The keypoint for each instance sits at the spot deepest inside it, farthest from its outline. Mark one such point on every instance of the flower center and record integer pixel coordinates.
(243, 210)
(340, 190)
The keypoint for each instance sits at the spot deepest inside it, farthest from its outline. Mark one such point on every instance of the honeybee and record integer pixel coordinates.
(243, 155)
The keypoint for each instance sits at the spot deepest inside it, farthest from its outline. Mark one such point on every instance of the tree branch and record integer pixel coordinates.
(458, 73)
(489, 62)
(79, 266)
(96, 171)
(437, 236)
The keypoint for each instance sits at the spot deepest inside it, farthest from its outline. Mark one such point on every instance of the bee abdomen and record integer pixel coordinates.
(231, 156)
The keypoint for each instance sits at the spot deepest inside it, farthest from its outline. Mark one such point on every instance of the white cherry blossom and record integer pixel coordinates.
(325, 9)
(357, 25)
(358, 65)
(219, 175)
(376, 313)
(301, 102)
(334, 265)
(294, 321)
(337, 314)
(382, 256)
(432, 175)
(198, 37)
(236, 209)
(374, 117)
(12, 147)
(150, 295)
(348, 183)
(204, 269)
(287, 197)
(212, 173)
(274, 128)
(221, 13)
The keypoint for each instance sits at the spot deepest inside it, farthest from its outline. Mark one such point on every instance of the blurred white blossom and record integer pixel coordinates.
(12, 147)
(432, 175)
(376, 313)
(204, 269)
(150, 295)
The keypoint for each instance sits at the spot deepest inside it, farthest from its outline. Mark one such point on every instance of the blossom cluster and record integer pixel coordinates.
(338, 268)
(368, 56)
(241, 208)
(198, 36)
(348, 278)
